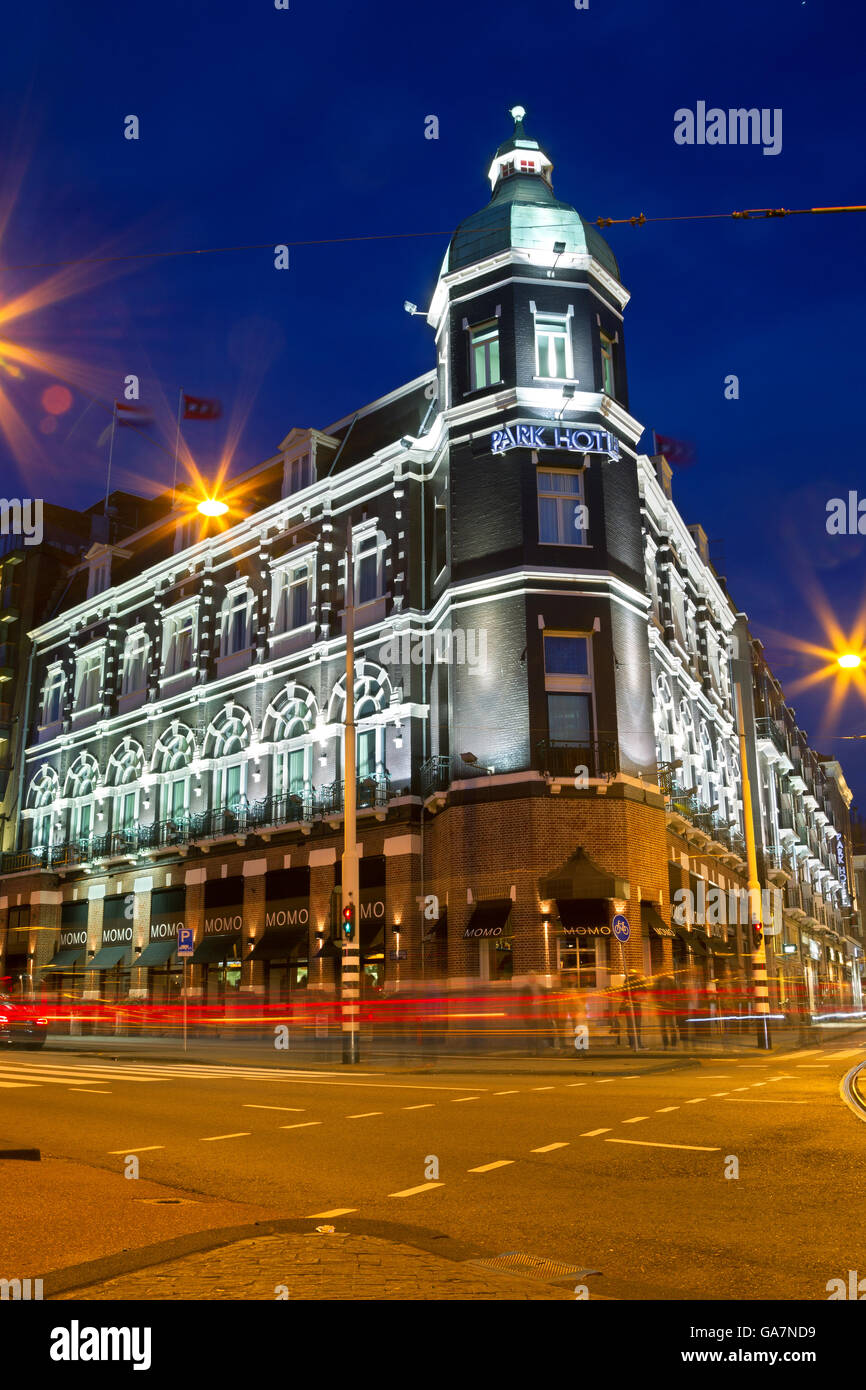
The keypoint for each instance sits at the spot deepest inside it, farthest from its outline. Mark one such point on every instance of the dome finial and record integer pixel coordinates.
(518, 114)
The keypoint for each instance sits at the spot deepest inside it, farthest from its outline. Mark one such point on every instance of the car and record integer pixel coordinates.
(21, 1024)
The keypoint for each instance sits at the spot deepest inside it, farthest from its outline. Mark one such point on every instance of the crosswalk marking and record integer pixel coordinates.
(843, 1056)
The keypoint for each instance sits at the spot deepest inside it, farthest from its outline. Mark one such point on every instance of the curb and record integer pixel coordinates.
(851, 1093)
(432, 1242)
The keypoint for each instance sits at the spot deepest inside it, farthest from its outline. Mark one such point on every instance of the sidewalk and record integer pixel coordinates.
(332, 1265)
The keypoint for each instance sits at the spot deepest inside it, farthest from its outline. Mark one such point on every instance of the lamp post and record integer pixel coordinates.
(350, 975)
(759, 945)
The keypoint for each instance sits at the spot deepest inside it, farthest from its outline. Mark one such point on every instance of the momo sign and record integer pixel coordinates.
(573, 441)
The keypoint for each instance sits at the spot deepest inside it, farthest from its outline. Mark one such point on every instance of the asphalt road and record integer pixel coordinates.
(623, 1174)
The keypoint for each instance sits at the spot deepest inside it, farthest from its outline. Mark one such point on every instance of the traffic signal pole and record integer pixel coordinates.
(350, 976)
(756, 928)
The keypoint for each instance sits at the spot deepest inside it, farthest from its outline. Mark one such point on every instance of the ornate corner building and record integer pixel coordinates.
(544, 692)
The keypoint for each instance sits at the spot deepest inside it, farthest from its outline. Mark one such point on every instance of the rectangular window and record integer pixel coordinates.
(577, 961)
(296, 772)
(53, 693)
(126, 811)
(484, 354)
(568, 683)
(236, 615)
(569, 719)
(299, 473)
(608, 384)
(440, 538)
(89, 681)
(367, 753)
(566, 656)
(178, 644)
(133, 674)
(561, 510)
(177, 805)
(551, 346)
(367, 572)
(81, 817)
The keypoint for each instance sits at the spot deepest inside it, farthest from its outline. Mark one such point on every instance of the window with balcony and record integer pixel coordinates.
(177, 649)
(484, 354)
(561, 510)
(568, 683)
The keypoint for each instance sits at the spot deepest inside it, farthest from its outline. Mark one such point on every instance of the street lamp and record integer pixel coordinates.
(212, 506)
(849, 661)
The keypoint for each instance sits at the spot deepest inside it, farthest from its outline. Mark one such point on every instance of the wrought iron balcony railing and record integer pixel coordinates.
(599, 756)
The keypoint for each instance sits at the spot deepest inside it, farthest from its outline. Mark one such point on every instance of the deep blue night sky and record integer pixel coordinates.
(261, 126)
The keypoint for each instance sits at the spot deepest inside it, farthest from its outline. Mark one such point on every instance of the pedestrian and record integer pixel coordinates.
(666, 1009)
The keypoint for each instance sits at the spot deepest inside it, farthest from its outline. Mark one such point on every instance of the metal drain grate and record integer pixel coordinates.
(532, 1266)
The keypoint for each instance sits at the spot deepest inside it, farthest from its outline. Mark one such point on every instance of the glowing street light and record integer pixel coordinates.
(212, 506)
(849, 661)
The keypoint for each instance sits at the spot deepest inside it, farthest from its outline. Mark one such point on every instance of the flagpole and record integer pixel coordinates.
(110, 456)
(177, 444)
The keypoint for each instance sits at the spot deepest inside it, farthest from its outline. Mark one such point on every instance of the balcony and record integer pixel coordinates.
(435, 775)
(771, 742)
(600, 757)
(176, 836)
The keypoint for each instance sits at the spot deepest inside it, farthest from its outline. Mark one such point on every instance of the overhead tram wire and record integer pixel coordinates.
(640, 220)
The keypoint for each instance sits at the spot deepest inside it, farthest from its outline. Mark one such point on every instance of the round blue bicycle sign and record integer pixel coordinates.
(621, 928)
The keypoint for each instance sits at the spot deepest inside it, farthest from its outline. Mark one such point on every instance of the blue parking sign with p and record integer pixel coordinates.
(185, 941)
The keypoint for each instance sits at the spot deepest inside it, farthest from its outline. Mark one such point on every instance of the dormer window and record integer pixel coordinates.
(527, 166)
(298, 473)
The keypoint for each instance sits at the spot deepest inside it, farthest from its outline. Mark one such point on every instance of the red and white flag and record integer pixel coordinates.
(201, 408)
(133, 413)
(680, 453)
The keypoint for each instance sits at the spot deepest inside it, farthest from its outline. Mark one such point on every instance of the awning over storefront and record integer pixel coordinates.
(437, 930)
(724, 949)
(696, 940)
(215, 948)
(157, 953)
(652, 919)
(489, 918)
(575, 913)
(280, 943)
(107, 958)
(581, 877)
(65, 960)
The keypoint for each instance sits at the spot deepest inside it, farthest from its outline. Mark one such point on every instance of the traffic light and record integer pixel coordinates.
(349, 922)
(757, 935)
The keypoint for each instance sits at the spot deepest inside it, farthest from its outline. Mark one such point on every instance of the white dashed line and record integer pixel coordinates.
(591, 1133)
(720, 1093)
(461, 1100)
(305, 1124)
(212, 1138)
(548, 1148)
(295, 1109)
(765, 1100)
(666, 1108)
(89, 1091)
(137, 1149)
(506, 1093)
(542, 1088)
(636, 1119)
(337, 1211)
(487, 1167)
(428, 1105)
(697, 1100)
(365, 1115)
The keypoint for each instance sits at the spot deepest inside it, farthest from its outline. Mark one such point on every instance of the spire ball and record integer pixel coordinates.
(517, 113)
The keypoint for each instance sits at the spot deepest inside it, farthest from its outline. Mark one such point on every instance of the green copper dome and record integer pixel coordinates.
(523, 212)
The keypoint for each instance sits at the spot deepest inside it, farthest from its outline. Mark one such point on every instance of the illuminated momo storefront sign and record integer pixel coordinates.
(572, 441)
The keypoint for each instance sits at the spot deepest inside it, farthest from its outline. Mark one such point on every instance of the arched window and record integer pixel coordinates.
(372, 699)
(171, 762)
(226, 742)
(82, 780)
(125, 771)
(42, 796)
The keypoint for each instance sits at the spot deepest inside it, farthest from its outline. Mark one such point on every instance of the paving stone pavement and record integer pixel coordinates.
(329, 1267)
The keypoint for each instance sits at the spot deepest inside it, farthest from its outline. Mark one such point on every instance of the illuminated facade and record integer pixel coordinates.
(543, 695)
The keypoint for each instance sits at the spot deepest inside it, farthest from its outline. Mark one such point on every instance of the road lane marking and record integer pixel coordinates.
(412, 1191)
(635, 1119)
(718, 1075)
(569, 1083)
(542, 1088)
(295, 1109)
(212, 1138)
(665, 1108)
(19, 1085)
(548, 1148)
(645, 1143)
(462, 1099)
(812, 1066)
(758, 1083)
(88, 1091)
(697, 1100)
(427, 1105)
(365, 1115)
(337, 1211)
(591, 1133)
(506, 1093)
(487, 1167)
(765, 1100)
(305, 1124)
(607, 1080)
(741, 1088)
(720, 1093)
(378, 1085)
(805, 1052)
(137, 1149)
(840, 1056)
